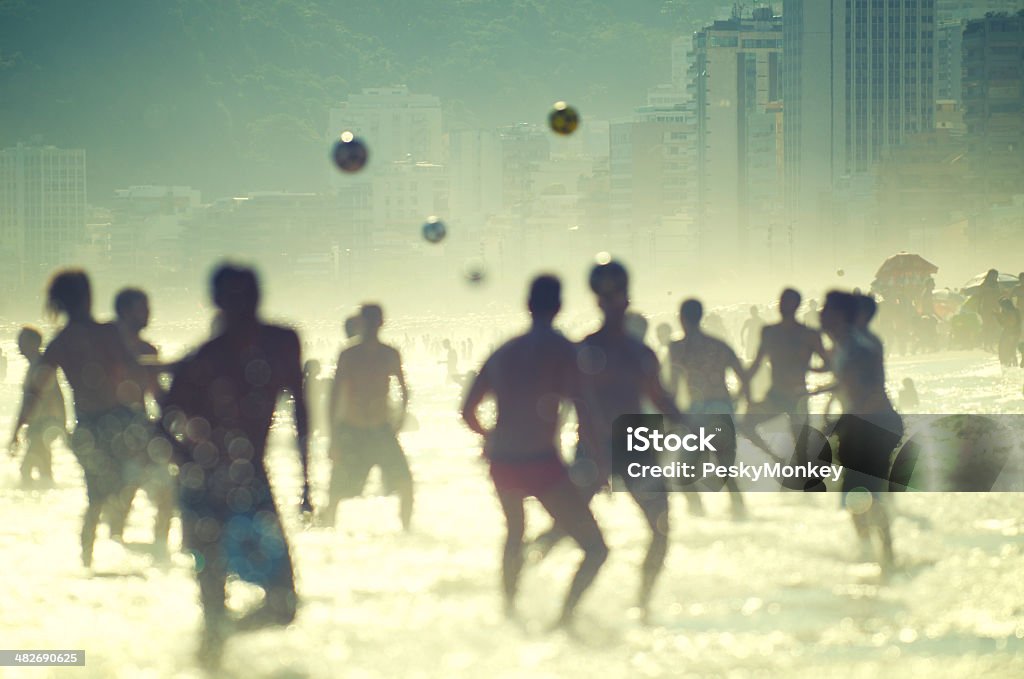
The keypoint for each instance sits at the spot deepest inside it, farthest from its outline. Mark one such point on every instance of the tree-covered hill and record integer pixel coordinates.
(229, 95)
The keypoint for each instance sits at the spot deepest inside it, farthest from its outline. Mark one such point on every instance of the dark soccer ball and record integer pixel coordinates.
(564, 119)
(350, 153)
(840, 273)
(434, 230)
(475, 273)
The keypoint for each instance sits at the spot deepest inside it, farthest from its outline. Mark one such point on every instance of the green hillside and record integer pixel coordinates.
(229, 95)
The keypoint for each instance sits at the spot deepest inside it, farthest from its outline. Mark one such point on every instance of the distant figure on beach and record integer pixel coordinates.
(364, 432)
(49, 421)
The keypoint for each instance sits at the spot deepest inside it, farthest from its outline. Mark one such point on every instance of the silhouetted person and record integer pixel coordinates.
(750, 332)
(870, 428)
(1017, 293)
(620, 376)
(317, 390)
(701, 362)
(49, 421)
(104, 379)
(908, 398)
(529, 377)
(132, 310)
(985, 302)
(451, 362)
(219, 408)
(1009, 338)
(788, 346)
(363, 430)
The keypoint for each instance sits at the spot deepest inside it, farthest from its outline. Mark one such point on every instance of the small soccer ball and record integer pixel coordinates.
(434, 230)
(350, 153)
(475, 273)
(840, 273)
(564, 119)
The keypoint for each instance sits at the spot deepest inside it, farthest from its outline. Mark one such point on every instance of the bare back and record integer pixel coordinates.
(232, 383)
(102, 373)
(789, 348)
(363, 382)
(702, 360)
(529, 376)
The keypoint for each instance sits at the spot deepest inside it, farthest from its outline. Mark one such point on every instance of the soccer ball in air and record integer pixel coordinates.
(564, 119)
(350, 153)
(434, 230)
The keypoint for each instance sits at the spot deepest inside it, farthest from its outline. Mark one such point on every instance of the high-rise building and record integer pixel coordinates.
(737, 89)
(651, 184)
(993, 92)
(396, 124)
(949, 59)
(42, 212)
(962, 10)
(475, 168)
(952, 17)
(146, 230)
(859, 76)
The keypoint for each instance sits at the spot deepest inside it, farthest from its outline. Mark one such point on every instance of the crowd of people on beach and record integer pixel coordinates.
(192, 434)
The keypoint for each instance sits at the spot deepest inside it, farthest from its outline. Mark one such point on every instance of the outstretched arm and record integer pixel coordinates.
(474, 397)
(38, 379)
(403, 387)
(826, 358)
(762, 354)
(675, 373)
(294, 384)
(742, 375)
(656, 393)
(334, 397)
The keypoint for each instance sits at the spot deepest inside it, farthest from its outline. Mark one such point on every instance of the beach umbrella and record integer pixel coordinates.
(1005, 282)
(904, 264)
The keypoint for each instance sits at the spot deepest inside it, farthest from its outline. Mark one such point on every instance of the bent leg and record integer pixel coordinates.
(570, 511)
(654, 505)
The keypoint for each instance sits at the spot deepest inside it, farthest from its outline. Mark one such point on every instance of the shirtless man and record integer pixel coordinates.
(870, 428)
(750, 331)
(131, 306)
(701, 361)
(218, 412)
(788, 346)
(49, 422)
(363, 431)
(620, 376)
(104, 379)
(529, 377)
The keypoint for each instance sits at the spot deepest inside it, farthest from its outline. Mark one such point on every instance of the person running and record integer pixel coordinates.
(316, 395)
(701, 361)
(218, 412)
(103, 375)
(1009, 319)
(49, 421)
(870, 428)
(363, 429)
(451, 362)
(750, 332)
(529, 377)
(620, 376)
(789, 347)
(131, 306)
